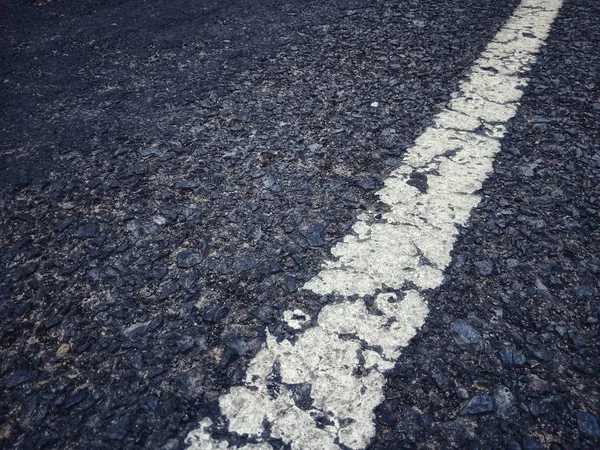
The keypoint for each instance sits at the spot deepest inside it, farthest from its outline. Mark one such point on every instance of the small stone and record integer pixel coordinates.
(186, 184)
(484, 268)
(512, 444)
(561, 329)
(578, 339)
(531, 443)
(51, 322)
(441, 380)
(89, 230)
(588, 424)
(63, 224)
(369, 184)
(544, 200)
(18, 378)
(120, 429)
(243, 264)
(136, 330)
(254, 231)
(234, 347)
(63, 350)
(510, 356)
(187, 259)
(290, 283)
(270, 182)
(537, 384)
(141, 228)
(156, 371)
(166, 290)
(388, 138)
(158, 273)
(152, 402)
(512, 263)
(584, 292)
(462, 393)
(313, 235)
(75, 398)
(301, 395)
(215, 314)
(480, 404)
(262, 313)
(465, 334)
(154, 150)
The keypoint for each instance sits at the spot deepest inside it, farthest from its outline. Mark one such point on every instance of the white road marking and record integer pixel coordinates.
(296, 319)
(342, 360)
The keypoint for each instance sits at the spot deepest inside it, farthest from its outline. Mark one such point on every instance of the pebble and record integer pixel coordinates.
(388, 138)
(89, 230)
(234, 347)
(153, 150)
(462, 393)
(510, 356)
(187, 259)
(588, 424)
(19, 378)
(584, 292)
(51, 322)
(464, 334)
(531, 443)
(578, 339)
(480, 404)
(314, 235)
(484, 268)
(215, 314)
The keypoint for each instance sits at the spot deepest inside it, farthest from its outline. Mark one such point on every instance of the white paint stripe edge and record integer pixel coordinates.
(342, 360)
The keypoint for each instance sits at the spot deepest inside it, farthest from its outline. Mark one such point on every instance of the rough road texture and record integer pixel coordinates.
(525, 277)
(170, 180)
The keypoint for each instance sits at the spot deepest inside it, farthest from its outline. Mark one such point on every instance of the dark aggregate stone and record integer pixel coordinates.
(89, 230)
(510, 356)
(51, 322)
(188, 258)
(369, 184)
(19, 378)
(314, 235)
(120, 429)
(465, 334)
(484, 268)
(531, 443)
(215, 314)
(154, 150)
(479, 404)
(578, 339)
(234, 347)
(588, 424)
(584, 292)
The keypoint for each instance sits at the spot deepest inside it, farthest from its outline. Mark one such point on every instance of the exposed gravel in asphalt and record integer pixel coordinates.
(509, 357)
(172, 173)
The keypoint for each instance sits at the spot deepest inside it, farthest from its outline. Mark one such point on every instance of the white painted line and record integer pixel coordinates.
(341, 362)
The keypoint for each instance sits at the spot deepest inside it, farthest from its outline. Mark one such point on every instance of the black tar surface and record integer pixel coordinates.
(173, 171)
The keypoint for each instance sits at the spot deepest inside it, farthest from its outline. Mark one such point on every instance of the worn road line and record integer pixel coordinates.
(320, 391)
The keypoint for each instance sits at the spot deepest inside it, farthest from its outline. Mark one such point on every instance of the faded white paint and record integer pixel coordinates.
(296, 319)
(343, 359)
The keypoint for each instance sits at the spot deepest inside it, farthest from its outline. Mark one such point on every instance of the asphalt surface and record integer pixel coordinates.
(173, 172)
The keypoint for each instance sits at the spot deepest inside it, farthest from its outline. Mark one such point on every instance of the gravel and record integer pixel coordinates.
(171, 176)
